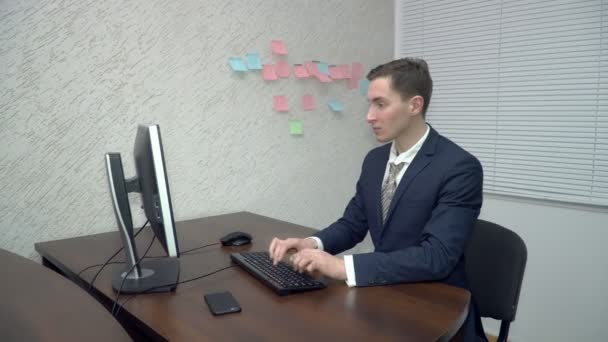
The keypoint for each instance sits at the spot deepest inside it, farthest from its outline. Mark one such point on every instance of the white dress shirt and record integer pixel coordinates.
(405, 157)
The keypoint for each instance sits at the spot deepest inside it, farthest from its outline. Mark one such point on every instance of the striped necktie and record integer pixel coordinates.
(388, 189)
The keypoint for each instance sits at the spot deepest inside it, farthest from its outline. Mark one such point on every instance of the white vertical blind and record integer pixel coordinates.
(523, 85)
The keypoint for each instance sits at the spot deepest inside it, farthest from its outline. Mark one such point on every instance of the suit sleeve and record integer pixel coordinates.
(442, 240)
(351, 228)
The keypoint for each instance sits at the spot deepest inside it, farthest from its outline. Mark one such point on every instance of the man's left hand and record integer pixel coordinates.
(317, 261)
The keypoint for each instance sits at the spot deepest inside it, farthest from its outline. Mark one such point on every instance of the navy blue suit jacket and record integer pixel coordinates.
(429, 222)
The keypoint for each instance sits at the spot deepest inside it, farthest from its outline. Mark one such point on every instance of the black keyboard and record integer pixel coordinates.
(280, 278)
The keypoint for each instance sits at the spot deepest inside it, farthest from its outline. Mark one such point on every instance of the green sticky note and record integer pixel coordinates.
(295, 127)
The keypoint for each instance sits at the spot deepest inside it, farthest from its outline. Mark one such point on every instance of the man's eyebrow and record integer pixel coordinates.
(376, 99)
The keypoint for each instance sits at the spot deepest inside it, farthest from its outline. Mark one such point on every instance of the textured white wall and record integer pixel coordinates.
(78, 76)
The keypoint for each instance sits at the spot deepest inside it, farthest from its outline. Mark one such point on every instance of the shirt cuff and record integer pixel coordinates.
(351, 281)
(318, 241)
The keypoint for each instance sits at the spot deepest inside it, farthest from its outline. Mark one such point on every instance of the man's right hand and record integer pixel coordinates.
(278, 248)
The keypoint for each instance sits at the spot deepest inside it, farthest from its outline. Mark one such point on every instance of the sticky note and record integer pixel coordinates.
(335, 105)
(282, 69)
(253, 61)
(345, 71)
(279, 103)
(357, 70)
(353, 83)
(268, 72)
(300, 71)
(278, 47)
(308, 102)
(295, 127)
(363, 85)
(311, 67)
(323, 67)
(335, 72)
(237, 64)
(323, 78)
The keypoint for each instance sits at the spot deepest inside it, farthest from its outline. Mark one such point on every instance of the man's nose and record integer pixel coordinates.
(371, 117)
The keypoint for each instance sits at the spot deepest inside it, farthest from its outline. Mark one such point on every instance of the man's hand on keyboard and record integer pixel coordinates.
(314, 261)
(278, 248)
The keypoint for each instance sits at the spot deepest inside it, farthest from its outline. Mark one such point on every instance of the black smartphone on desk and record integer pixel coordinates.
(221, 303)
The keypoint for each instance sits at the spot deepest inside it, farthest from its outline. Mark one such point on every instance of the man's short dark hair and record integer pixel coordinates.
(409, 77)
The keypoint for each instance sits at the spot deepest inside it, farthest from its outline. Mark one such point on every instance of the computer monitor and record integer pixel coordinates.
(150, 275)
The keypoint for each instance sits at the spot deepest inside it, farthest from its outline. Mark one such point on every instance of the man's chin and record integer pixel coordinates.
(383, 139)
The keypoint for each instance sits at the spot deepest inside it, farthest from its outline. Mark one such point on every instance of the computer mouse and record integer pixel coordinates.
(236, 239)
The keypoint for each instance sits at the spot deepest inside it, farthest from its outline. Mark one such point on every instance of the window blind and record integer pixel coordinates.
(522, 85)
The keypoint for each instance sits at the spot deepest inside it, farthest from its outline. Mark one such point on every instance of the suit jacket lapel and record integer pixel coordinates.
(422, 159)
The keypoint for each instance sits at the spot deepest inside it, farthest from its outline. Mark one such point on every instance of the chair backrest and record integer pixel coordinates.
(495, 260)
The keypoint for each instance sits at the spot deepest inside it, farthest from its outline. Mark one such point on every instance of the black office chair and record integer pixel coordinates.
(495, 260)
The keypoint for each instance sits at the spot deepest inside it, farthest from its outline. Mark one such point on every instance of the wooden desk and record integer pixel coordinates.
(408, 312)
(40, 305)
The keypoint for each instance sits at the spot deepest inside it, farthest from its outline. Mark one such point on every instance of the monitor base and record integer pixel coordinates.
(158, 275)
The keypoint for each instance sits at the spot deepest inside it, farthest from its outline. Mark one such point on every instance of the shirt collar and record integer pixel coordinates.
(407, 156)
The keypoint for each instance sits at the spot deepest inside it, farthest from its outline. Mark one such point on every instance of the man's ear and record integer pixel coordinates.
(416, 104)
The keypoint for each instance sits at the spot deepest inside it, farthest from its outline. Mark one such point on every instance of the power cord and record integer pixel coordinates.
(97, 265)
(147, 257)
(177, 283)
(108, 262)
(197, 248)
(109, 259)
(129, 272)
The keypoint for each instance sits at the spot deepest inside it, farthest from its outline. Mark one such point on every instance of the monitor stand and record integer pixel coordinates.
(155, 275)
(149, 275)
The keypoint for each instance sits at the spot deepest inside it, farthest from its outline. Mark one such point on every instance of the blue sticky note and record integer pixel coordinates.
(323, 68)
(242, 66)
(363, 85)
(237, 64)
(335, 105)
(253, 61)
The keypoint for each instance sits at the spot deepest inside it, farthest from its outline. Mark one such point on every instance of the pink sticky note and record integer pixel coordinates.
(268, 73)
(312, 68)
(278, 47)
(279, 102)
(282, 69)
(353, 83)
(345, 71)
(308, 102)
(357, 70)
(335, 72)
(300, 71)
(323, 78)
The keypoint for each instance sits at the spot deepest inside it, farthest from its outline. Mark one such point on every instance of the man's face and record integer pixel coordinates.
(388, 114)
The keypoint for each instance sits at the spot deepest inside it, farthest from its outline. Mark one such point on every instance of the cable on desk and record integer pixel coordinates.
(147, 257)
(203, 246)
(129, 272)
(109, 259)
(96, 265)
(178, 283)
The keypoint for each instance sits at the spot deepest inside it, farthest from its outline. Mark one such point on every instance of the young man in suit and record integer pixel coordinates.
(418, 195)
